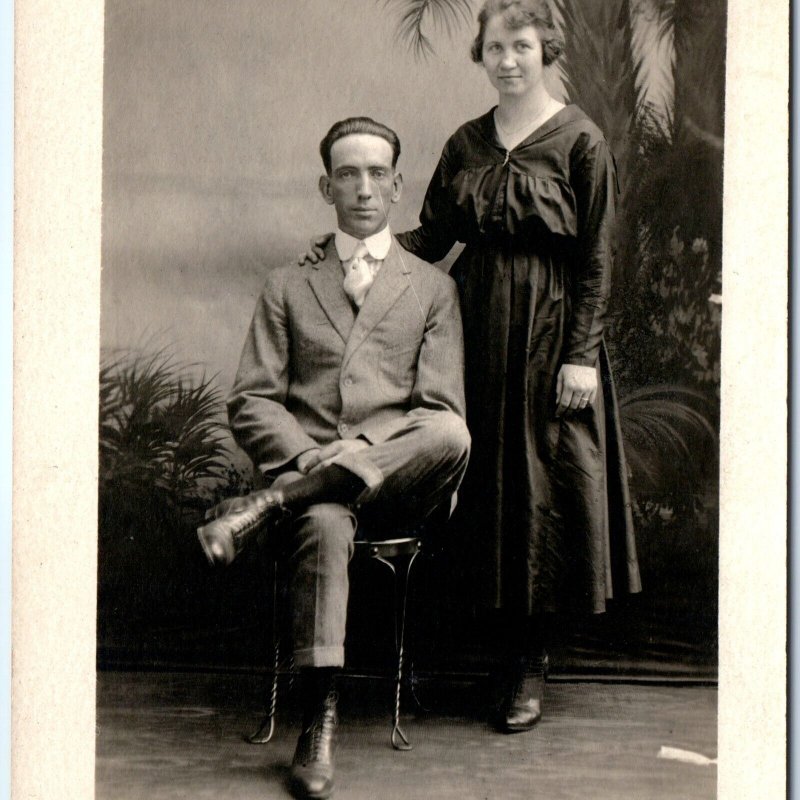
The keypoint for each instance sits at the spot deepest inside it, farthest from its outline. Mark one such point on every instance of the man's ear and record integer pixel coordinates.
(325, 189)
(397, 187)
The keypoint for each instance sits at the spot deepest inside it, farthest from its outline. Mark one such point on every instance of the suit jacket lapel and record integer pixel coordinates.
(390, 282)
(326, 281)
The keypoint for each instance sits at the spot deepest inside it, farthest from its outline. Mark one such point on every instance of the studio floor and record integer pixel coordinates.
(163, 736)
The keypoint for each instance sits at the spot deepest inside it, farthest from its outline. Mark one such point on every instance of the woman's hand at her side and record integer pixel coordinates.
(576, 388)
(317, 251)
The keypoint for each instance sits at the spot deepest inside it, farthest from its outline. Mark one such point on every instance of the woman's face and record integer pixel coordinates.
(512, 57)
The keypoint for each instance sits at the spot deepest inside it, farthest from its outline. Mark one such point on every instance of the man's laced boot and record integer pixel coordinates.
(236, 522)
(312, 765)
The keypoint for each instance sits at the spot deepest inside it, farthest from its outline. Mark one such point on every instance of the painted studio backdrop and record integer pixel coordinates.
(213, 116)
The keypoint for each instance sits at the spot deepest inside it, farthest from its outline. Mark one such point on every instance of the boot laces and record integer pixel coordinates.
(321, 730)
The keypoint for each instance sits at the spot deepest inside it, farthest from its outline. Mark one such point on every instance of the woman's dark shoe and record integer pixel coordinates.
(521, 708)
(235, 522)
(312, 765)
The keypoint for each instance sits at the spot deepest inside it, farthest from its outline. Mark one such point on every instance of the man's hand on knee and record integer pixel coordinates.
(331, 452)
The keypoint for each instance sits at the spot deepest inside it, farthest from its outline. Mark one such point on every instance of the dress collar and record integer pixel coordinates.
(565, 115)
(378, 244)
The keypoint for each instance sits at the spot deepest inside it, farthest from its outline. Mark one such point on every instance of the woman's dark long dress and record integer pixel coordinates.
(545, 501)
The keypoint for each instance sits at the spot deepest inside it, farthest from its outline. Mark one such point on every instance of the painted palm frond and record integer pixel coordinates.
(670, 439)
(601, 74)
(660, 167)
(598, 68)
(661, 13)
(445, 15)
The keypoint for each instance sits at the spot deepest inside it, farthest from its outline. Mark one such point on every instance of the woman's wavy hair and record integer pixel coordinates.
(519, 14)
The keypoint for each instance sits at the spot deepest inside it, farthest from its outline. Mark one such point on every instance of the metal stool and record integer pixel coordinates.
(398, 556)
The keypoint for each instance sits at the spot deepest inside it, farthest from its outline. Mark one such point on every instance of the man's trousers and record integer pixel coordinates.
(412, 473)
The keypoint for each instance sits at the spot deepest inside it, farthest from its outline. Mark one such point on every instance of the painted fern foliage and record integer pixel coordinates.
(161, 432)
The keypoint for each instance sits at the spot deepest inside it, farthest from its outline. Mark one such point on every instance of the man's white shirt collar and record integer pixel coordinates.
(378, 244)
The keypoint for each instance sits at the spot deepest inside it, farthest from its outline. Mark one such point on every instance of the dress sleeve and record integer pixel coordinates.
(436, 234)
(593, 180)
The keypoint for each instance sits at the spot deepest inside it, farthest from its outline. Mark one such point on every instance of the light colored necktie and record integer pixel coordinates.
(358, 276)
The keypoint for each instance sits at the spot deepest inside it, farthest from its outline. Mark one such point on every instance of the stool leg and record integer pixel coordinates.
(398, 738)
(267, 727)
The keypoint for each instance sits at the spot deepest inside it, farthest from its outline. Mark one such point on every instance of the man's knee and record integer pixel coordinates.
(449, 434)
(327, 528)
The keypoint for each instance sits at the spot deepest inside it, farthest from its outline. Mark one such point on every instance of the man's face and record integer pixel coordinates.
(362, 184)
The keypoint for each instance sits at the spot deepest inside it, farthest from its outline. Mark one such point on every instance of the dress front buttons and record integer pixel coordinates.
(348, 381)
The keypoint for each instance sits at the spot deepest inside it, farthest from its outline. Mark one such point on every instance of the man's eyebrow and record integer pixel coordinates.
(368, 166)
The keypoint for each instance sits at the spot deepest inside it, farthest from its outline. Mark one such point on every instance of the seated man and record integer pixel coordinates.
(349, 398)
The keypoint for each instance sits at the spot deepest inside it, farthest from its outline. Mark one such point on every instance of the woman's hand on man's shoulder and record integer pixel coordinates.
(316, 253)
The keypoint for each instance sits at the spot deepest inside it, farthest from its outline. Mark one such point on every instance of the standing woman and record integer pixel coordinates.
(530, 188)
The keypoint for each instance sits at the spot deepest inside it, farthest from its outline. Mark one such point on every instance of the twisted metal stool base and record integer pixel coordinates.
(404, 552)
(401, 551)
(267, 727)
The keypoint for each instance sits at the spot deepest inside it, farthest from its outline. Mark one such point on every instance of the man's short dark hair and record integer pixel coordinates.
(353, 125)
